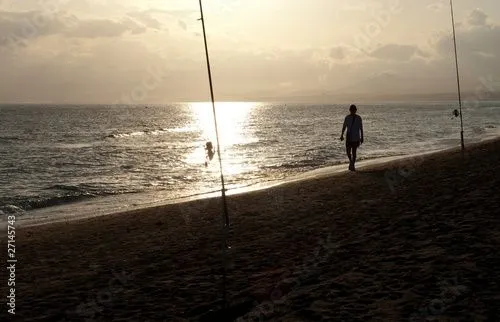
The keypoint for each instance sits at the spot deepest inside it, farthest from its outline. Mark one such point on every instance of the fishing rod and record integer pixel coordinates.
(458, 78)
(223, 189)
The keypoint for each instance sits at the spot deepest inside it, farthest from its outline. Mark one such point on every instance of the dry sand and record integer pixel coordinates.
(405, 241)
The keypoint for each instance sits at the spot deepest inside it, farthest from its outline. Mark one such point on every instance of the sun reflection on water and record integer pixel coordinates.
(232, 123)
(230, 117)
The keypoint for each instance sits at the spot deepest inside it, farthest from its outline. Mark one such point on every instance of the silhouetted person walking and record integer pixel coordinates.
(354, 139)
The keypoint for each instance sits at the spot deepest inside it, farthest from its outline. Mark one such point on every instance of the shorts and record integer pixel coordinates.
(352, 144)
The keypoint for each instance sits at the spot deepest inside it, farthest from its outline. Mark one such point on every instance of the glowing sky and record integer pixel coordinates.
(124, 51)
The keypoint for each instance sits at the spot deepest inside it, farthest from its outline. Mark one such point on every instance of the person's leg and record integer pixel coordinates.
(354, 149)
(349, 154)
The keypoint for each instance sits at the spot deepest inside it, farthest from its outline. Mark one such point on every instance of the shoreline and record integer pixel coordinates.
(40, 217)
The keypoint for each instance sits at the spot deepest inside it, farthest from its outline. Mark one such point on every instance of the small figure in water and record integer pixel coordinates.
(355, 135)
(210, 152)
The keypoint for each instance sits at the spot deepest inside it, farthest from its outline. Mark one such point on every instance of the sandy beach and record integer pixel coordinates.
(411, 240)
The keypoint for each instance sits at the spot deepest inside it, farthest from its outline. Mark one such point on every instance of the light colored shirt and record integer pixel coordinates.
(353, 129)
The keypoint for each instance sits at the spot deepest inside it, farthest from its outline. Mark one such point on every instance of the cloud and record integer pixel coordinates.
(477, 18)
(438, 5)
(337, 53)
(104, 72)
(77, 59)
(20, 27)
(183, 25)
(479, 39)
(146, 19)
(96, 28)
(395, 52)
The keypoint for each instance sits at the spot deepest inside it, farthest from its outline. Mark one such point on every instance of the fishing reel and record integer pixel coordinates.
(456, 113)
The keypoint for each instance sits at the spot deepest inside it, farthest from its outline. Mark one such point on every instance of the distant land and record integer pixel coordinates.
(334, 98)
(374, 98)
(311, 97)
(382, 88)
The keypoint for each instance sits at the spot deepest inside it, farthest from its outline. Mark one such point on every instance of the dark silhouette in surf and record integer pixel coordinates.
(209, 149)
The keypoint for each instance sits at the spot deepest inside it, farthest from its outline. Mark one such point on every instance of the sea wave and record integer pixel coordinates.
(294, 165)
(125, 135)
(43, 202)
(11, 210)
(256, 143)
(7, 138)
(159, 131)
(57, 195)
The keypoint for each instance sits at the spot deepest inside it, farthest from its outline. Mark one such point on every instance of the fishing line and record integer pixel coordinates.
(458, 78)
(225, 214)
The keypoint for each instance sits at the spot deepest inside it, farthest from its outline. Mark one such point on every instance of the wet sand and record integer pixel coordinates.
(407, 240)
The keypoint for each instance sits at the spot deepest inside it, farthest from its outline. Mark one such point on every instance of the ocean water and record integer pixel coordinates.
(84, 155)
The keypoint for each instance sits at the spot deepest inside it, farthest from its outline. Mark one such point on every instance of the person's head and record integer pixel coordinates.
(353, 109)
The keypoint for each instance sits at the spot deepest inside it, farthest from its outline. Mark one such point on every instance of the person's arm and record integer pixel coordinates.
(361, 129)
(343, 130)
